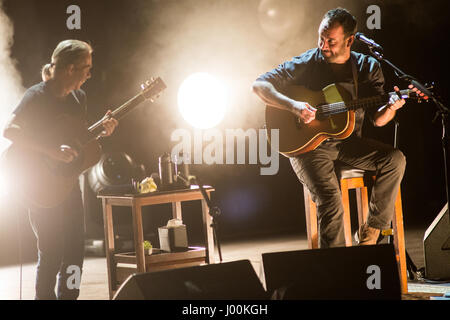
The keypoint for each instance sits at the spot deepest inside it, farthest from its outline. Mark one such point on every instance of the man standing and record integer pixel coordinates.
(361, 75)
(59, 230)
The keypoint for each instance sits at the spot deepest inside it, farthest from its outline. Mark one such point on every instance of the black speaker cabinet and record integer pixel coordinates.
(225, 281)
(360, 272)
(436, 247)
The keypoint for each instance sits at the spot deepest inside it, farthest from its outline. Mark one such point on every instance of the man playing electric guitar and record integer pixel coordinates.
(60, 229)
(361, 75)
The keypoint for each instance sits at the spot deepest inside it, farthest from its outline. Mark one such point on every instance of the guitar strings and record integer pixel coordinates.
(338, 107)
(342, 106)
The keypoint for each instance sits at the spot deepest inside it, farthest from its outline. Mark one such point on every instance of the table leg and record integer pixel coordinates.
(209, 235)
(176, 210)
(138, 234)
(109, 246)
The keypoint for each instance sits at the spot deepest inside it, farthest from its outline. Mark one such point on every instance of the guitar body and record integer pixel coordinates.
(45, 183)
(296, 137)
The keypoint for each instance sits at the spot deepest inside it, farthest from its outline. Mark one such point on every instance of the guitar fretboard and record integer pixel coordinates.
(97, 127)
(148, 91)
(326, 110)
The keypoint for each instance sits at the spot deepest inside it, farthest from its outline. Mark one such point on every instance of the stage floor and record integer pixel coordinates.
(94, 281)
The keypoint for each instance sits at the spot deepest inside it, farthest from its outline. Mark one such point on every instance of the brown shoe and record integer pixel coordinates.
(368, 235)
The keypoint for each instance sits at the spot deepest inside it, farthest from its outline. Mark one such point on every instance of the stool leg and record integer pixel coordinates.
(399, 242)
(362, 202)
(346, 217)
(311, 220)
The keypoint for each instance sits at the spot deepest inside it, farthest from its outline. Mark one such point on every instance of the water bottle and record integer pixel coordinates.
(165, 171)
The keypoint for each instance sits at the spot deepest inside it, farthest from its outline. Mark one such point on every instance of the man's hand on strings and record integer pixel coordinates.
(109, 124)
(395, 102)
(64, 154)
(304, 111)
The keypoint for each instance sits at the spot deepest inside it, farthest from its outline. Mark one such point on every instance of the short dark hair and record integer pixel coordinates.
(343, 17)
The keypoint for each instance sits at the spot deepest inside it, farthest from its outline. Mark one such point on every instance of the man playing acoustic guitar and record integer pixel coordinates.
(60, 229)
(334, 63)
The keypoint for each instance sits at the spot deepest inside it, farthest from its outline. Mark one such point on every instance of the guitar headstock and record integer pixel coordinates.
(422, 97)
(152, 88)
(412, 94)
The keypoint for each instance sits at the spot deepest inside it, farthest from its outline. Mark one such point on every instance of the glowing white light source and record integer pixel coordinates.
(202, 100)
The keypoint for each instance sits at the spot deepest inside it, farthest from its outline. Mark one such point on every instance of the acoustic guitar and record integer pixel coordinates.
(41, 182)
(335, 117)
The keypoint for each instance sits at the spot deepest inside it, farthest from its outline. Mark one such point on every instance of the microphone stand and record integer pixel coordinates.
(410, 266)
(213, 211)
(442, 111)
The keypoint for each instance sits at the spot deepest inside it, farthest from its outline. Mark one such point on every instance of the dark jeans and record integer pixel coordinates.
(315, 169)
(60, 238)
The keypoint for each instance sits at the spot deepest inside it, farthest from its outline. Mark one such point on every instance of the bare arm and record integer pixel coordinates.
(386, 114)
(272, 97)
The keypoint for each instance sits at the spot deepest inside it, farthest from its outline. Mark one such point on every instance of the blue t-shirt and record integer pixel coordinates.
(39, 110)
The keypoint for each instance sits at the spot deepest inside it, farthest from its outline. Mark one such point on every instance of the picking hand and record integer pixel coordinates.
(65, 154)
(304, 111)
(418, 92)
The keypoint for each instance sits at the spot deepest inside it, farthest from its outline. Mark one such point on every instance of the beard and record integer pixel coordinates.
(333, 56)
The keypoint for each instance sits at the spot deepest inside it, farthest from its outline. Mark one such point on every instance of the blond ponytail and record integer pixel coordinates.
(47, 72)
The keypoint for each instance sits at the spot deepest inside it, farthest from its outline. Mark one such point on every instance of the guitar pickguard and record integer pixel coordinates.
(333, 125)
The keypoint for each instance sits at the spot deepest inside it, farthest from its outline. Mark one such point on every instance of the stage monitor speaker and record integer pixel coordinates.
(436, 247)
(235, 280)
(347, 273)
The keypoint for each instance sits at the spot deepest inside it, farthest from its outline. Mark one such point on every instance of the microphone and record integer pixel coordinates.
(370, 42)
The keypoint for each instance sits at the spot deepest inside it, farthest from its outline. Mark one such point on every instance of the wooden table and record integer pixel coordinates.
(143, 263)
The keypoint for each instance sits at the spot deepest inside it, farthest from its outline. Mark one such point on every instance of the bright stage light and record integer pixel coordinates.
(202, 100)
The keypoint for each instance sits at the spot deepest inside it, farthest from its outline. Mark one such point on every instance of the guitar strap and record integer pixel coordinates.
(355, 73)
(79, 103)
(75, 97)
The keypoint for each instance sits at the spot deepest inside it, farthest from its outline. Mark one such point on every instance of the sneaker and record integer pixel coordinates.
(368, 235)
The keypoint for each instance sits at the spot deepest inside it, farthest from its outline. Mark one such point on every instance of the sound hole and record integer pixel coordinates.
(320, 114)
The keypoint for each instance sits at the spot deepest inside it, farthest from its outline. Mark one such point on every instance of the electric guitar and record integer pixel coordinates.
(335, 117)
(42, 182)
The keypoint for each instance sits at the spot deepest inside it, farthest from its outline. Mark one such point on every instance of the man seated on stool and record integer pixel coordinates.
(334, 62)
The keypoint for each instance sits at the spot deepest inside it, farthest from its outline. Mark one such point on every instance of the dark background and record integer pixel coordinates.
(136, 39)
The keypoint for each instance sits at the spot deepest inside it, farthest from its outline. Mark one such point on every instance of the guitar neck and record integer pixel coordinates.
(365, 103)
(118, 113)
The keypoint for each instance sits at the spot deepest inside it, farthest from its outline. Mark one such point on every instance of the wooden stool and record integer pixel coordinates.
(352, 178)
